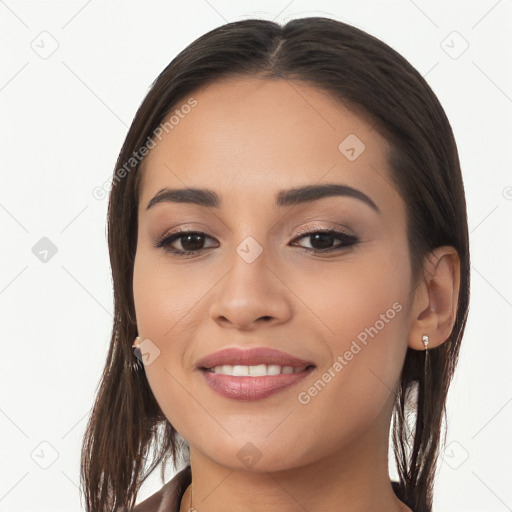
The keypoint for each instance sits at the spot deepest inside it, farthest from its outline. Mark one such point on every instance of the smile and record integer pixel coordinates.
(260, 370)
(271, 380)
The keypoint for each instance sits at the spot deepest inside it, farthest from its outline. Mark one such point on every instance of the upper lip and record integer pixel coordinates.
(251, 357)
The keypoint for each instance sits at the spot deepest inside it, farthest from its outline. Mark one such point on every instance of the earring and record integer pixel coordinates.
(426, 385)
(137, 353)
(424, 339)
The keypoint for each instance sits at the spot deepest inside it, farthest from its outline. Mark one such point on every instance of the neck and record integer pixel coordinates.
(354, 478)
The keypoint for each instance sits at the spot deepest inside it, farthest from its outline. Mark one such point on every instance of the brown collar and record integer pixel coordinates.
(168, 498)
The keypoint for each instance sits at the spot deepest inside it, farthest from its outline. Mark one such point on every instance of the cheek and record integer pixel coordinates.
(167, 305)
(363, 294)
(165, 296)
(361, 310)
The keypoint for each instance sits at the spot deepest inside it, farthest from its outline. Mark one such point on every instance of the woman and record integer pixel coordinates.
(289, 248)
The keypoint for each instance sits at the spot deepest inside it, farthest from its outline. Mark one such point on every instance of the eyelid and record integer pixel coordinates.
(340, 233)
(323, 227)
(182, 231)
(297, 232)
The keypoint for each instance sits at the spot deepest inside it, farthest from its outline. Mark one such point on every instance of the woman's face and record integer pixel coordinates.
(253, 280)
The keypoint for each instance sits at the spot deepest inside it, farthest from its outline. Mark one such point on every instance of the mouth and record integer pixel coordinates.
(260, 370)
(237, 382)
(252, 374)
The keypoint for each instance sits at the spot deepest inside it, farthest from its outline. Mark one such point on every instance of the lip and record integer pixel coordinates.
(251, 357)
(252, 388)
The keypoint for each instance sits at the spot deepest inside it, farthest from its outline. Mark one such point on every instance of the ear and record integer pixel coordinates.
(436, 299)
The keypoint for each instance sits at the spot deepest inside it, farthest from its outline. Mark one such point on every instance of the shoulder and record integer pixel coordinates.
(168, 498)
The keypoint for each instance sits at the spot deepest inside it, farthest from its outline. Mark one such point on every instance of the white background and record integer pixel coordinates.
(64, 118)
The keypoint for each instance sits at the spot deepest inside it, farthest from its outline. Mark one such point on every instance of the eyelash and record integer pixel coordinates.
(347, 241)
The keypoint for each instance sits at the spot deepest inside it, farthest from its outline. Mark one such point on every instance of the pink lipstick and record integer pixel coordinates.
(252, 374)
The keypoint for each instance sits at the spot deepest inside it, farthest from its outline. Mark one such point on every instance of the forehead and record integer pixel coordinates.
(254, 136)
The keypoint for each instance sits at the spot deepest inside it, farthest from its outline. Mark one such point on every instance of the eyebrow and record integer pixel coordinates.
(290, 197)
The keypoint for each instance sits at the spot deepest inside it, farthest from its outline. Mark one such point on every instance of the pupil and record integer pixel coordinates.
(194, 246)
(326, 239)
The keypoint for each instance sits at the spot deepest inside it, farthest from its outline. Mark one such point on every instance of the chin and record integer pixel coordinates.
(253, 453)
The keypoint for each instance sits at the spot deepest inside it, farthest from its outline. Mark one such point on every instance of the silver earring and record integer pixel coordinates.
(426, 386)
(424, 339)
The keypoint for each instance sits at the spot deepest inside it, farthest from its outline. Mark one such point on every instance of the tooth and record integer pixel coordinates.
(273, 369)
(240, 371)
(259, 370)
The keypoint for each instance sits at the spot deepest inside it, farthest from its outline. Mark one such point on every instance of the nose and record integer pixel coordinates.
(251, 294)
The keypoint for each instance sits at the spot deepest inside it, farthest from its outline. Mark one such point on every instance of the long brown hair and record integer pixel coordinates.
(127, 424)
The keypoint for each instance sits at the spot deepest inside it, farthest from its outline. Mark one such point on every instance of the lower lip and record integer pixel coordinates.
(252, 388)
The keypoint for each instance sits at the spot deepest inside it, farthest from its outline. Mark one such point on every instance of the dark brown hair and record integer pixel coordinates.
(363, 73)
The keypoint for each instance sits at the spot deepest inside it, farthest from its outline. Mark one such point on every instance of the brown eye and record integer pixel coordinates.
(323, 241)
(190, 241)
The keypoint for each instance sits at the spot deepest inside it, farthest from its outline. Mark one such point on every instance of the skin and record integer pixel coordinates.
(247, 139)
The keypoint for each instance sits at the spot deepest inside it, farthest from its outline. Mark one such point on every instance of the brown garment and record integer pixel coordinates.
(168, 498)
